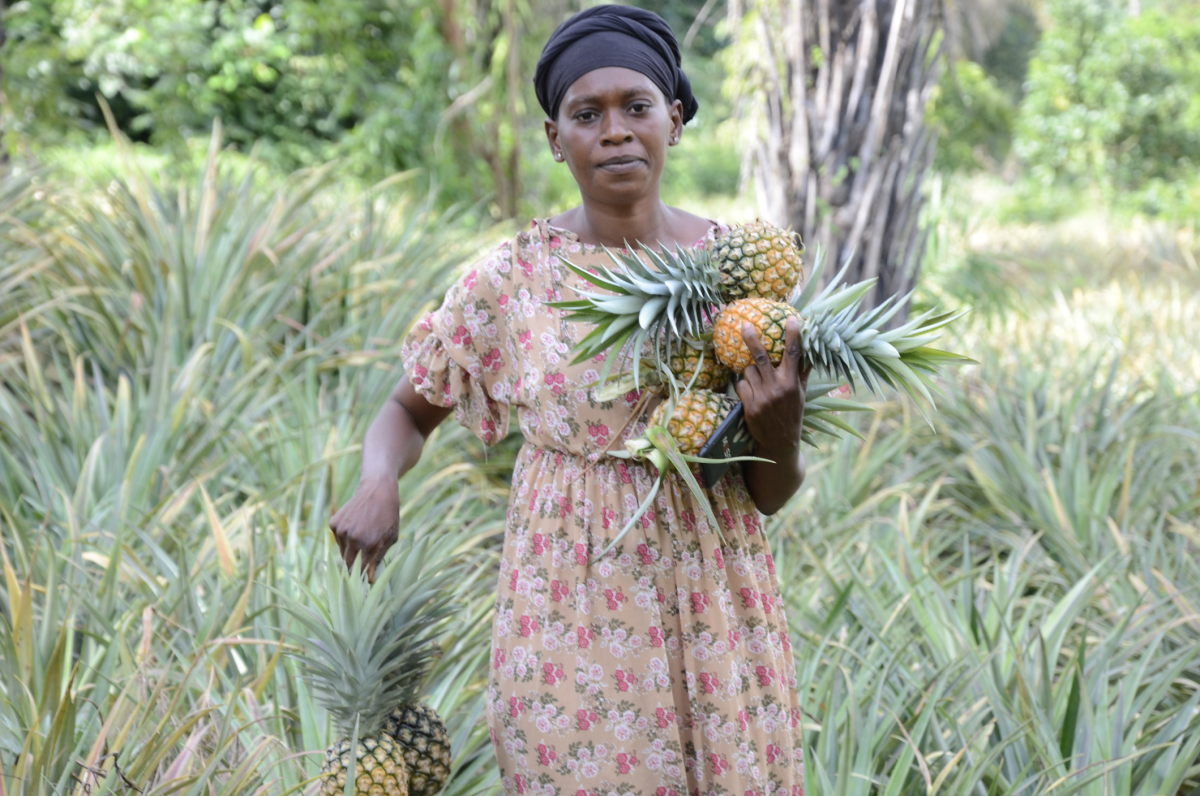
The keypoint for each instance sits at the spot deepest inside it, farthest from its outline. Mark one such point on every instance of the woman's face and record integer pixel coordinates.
(613, 129)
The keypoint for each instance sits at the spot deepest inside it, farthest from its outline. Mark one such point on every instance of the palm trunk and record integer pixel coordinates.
(842, 149)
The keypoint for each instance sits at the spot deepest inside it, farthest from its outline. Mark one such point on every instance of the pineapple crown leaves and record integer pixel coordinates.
(672, 299)
(367, 648)
(821, 410)
(652, 375)
(842, 341)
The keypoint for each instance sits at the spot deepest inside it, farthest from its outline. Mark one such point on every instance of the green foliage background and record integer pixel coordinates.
(1002, 601)
(381, 85)
(194, 336)
(1076, 95)
(1083, 96)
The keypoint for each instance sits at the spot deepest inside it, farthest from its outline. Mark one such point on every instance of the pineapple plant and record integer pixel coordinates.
(365, 651)
(757, 260)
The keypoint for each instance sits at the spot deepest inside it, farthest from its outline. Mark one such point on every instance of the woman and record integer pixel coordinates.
(664, 669)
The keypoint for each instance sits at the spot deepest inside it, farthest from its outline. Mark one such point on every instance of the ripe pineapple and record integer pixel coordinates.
(379, 768)
(365, 655)
(686, 361)
(757, 260)
(697, 415)
(422, 735)
(676, 294)
(677, 430)
(674, 304)
(769, 317)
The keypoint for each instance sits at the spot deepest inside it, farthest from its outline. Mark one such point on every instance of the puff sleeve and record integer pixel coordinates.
(462, 355)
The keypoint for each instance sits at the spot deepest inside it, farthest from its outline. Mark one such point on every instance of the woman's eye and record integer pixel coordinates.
(585, 116)
(640, 107)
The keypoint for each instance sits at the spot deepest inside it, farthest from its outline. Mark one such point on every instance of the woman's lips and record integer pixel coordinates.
(621, 165)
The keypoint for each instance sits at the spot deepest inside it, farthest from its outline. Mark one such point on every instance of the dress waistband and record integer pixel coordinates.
(538, 450)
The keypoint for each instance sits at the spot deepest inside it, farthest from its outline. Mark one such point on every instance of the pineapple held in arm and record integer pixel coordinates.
(675, 302)
(758, 260)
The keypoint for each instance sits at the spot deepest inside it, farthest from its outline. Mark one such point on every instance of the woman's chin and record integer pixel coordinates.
(622, 188)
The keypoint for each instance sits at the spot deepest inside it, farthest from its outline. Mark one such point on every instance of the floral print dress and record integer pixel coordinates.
(664, 669)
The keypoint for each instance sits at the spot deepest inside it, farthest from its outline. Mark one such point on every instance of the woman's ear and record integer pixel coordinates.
(552, 139)
(676, 113)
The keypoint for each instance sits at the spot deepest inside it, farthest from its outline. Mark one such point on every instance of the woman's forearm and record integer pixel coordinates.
(773, 400)
(367, 525)
(772, 485)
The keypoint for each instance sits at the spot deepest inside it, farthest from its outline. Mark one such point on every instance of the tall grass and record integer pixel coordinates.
(1005, 603)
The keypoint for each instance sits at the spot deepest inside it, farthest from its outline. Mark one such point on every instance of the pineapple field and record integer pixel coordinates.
(1003, 600)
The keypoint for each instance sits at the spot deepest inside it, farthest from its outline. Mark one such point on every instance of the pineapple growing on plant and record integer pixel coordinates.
(365, 650)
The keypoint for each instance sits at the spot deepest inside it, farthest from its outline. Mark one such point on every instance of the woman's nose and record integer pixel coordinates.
(613, 129)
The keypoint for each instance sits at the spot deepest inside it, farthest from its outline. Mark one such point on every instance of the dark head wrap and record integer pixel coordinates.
(611, 35)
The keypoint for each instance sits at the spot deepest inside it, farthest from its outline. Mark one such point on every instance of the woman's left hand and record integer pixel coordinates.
(773, 400)
(773, 395)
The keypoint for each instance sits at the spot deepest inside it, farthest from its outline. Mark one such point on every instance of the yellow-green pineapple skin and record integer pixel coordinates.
(379, 768)
(685, 363)
(421, 735)
(697, 415)
(757, 260)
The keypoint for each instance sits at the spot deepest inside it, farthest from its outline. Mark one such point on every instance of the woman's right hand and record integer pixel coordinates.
(368, 524)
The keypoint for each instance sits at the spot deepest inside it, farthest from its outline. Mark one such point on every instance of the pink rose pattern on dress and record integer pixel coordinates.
(664, 669)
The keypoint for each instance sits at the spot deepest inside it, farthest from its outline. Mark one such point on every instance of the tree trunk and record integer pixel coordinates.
(842, 148)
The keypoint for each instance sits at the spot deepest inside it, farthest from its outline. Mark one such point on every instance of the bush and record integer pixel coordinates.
(293, 78)
(1113, 100)
(974, 119)
(185, 372)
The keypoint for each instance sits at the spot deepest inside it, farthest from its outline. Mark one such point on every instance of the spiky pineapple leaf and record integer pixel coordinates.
(932, 359)
(663, 441)
(645, 304)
